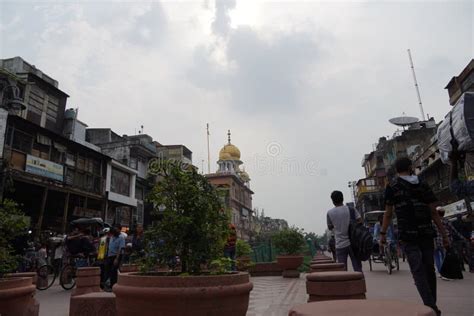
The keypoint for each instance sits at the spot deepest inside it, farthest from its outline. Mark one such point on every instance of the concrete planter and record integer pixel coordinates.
(17, 297)
(265, 269)
(158, 294)
(126, 268)
(290, 265)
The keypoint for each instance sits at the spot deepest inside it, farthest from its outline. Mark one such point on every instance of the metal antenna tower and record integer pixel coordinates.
(416, 86)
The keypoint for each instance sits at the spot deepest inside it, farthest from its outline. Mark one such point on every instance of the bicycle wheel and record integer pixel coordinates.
(46, 277)
(67, 277)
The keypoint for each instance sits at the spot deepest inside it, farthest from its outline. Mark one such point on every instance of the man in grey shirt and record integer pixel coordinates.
(338, 219)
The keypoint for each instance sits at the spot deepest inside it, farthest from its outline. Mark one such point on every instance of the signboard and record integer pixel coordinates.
(455, 208)
(3, 127)
(86, 212)
(44, 168)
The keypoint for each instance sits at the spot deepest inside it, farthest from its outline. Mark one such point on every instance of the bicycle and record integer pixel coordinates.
(44, 271)
(67, 276)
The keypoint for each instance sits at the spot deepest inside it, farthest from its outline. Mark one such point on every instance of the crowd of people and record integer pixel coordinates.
(423, 234)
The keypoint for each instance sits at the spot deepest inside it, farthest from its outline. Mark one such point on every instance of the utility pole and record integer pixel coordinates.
(208, 151)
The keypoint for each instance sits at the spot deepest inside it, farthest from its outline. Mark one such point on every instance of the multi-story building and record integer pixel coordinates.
(234, 183)
(51, 171)
(135, 152)
(174, 152)
(378, 165)
(462, 83)
(44, 102)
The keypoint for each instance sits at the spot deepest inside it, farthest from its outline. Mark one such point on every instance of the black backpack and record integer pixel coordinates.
(361, 240)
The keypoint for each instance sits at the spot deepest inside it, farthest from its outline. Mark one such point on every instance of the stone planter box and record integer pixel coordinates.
(361, 308)
(158, 294)
(336, 285)
(125, 268)
(327, 267)
(265, 269)
(290, 265)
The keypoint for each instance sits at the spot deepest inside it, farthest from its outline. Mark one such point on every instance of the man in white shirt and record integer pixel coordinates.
(338, 219)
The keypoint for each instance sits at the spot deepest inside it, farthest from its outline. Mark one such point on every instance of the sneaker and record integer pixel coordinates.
(445, 279)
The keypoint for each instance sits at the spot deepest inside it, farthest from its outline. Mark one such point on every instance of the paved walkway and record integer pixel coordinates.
(274, 296)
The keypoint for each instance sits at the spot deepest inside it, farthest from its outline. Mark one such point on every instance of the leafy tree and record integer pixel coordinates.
(289, 241)
(193, 224)
(12, 224)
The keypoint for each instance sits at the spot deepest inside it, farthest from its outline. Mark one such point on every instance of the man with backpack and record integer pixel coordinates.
(338, 220)
(415, 206)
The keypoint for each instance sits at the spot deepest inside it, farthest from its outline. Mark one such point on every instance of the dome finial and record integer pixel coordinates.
(228, 136)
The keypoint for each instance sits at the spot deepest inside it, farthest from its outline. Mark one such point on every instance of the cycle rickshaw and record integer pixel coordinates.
(388, 255)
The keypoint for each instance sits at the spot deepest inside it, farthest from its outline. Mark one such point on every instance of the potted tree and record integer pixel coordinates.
(242, 254)
(16, 293)
(289, 243)
(193, 228)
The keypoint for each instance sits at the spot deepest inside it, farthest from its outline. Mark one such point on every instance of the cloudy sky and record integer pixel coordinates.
(306, 87)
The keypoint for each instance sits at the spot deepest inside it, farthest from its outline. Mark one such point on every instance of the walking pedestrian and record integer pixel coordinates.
(415, 206)
(338, 220)
(332, 246)
(114, 255)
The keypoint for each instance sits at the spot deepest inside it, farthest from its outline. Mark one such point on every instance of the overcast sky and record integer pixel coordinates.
(306, 87)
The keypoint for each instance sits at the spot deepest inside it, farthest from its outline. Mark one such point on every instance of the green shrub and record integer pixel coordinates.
(289, 241)
(12, 224)
(242, 248)
(193, 224)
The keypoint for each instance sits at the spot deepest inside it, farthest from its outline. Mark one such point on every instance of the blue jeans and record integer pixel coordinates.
(343, 253)
(439, 258)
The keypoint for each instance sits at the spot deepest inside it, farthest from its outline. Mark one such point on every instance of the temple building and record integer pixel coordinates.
(234, 183)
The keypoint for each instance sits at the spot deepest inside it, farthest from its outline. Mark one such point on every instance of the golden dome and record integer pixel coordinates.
(229, 152)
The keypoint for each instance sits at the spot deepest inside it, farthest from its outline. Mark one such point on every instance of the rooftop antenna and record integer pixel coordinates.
(141, 131)
(416, 85)
(208, 151)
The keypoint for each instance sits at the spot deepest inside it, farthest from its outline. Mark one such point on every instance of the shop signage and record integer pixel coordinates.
(44, 168)
(86, 212)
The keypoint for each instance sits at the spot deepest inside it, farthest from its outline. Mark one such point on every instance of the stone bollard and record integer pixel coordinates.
(87, 281)
(335, 285)
(93, 304)
(363, 307)
(327, 267)
(321, 261)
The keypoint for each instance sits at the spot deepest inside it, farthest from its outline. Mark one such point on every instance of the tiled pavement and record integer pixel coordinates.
(274, 296)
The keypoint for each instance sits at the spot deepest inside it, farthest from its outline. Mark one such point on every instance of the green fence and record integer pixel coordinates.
(266, 251)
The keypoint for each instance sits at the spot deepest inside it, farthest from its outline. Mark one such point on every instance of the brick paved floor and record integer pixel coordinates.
(274, 296)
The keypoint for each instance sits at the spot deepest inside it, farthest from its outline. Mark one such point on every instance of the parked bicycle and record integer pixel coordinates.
(33, 263)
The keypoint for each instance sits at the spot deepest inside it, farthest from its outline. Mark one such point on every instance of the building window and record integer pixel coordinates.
(120, 182)
(22, 141)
